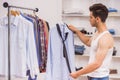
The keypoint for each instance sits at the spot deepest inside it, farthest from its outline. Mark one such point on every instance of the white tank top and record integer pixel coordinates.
(103, 70)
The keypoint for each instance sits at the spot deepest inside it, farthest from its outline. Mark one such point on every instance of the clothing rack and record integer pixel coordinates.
(6, 5)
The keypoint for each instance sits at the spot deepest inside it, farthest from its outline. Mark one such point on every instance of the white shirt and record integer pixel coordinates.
(103, 70)
(22, 47)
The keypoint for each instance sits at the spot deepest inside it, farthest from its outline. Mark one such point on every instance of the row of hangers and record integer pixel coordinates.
(17, 13)
(14, 13)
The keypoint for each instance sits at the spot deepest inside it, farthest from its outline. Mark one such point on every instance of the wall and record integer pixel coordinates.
(49, 10)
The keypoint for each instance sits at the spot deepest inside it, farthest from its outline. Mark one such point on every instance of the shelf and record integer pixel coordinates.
(74, 15)
(85, 35)
(116, 56)
(86, 55)
(82, 55)
(112, 76)
(87, 15)
(115, 36)
(115, 76)
(114, 14)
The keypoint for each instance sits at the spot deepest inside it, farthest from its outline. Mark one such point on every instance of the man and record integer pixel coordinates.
(101, 45)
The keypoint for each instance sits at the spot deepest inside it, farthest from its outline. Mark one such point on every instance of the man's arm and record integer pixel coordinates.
(85, 39)
(103, 46)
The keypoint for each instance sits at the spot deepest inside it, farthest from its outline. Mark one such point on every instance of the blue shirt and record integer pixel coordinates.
(35, 35)
(56, 64)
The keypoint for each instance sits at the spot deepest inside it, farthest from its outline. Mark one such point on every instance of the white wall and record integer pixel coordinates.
(49, 10)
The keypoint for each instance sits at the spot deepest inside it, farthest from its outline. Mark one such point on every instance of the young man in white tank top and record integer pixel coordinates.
(101, 45)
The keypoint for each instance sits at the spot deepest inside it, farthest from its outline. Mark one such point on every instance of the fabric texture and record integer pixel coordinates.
(56, 64)
(103, 70)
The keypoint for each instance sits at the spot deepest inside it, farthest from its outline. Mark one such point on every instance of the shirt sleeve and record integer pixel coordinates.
(49, 61)
(32, 53)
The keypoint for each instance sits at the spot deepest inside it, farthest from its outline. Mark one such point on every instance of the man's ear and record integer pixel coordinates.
(97, 19)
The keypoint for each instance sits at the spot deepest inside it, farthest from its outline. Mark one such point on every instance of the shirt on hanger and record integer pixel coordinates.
(56, 64)
(22, 47)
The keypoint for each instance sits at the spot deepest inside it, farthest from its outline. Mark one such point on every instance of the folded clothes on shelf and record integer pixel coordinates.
(112, 31)
(113, 71)
(112, 10)
(73, 11)
(79, 49)
(78, 68)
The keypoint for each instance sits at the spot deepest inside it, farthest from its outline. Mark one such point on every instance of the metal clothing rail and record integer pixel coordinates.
(6, 5)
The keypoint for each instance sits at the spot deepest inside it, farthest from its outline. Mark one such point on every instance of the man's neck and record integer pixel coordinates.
(101, 27)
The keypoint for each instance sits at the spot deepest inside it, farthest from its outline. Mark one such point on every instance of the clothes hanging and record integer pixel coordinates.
(64, 47)
(56, 64)
(41, 39)
(22, 47)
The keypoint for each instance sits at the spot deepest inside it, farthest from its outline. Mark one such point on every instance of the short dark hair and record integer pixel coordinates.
(99, 10)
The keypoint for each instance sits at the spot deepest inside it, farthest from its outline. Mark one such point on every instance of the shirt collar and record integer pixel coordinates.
(66, 30)
(13, 20)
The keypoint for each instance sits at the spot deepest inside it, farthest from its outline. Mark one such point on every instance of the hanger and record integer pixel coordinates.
(12, 12)
(17, 13)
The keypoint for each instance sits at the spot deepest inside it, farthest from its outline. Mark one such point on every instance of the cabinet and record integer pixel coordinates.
(76, 12)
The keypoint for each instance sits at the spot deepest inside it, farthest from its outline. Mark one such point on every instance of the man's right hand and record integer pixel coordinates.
(85, 39)
(72, 28)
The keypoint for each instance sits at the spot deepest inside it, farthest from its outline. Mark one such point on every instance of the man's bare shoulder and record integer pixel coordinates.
(107, 40)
